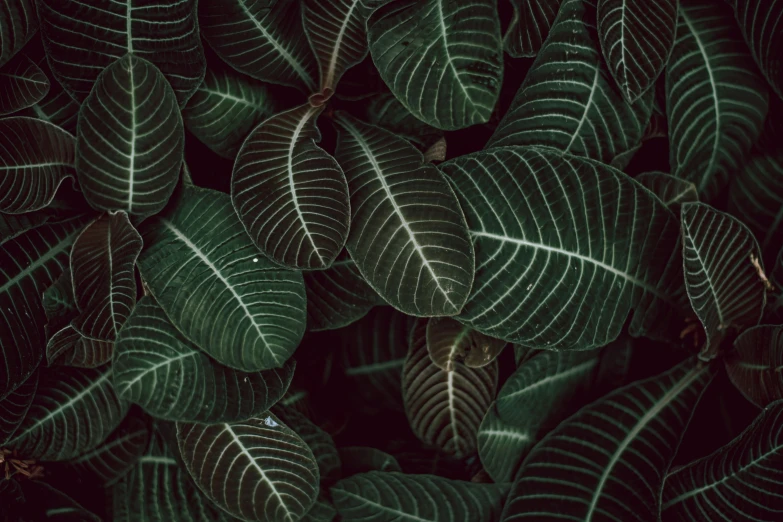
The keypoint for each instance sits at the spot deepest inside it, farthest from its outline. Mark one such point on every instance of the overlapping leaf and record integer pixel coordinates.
(761, 22)
(69, 347)
(130, 139)
(35, 158)
(225, 108)
(754, 366)
(290, 194)
(442, 60)
(29, 264)
(13, 225)
(636, 39)
(18, 23)
(716, 99)
(740, 480)
(318, 440)
(156, 367)
(22, 84)
(321, 511)
(722, 280)
(384, 110)
(390, 497)
(408, 236)
(569, 290)
(673, 191)
(445, 408)
(59, 303)
(57, 106)
(256, 470)
(83, 38)
(74, 410)
(609, 460)
(45, 502)
(530, 26)
(360, 459)
(569, 100)
(15, 406)
(337, 33)
(261, 39)
(450, 343)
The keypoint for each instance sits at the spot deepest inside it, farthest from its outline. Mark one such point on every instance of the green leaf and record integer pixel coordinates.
(337, 296)
(74, 410)
(217, 288)
(360, 459)
(568, 290)
(18, 23)
(255, 470)
(102, 270)
(83, 39)
(59, 303)
(156, 367)
(22, 84)
(636, 39)
(13, 225)
(450, 343)
(261, 39)
(395, 497)
(723, 284)
(530, 26)
(761, 22)
(225, 108)
(35, 158)
(29, 264)
(445, 408)
(384, 110)
(740, 480)
(756, 197)
(337, 33)
(569, 100)
(673, 191)
(57, 107)
(44, 502)
(15, 406)
(130, 139)
(322, 511)
(290, 194)
(716, 100)
(408, 236)
(442, 60)
(754, 366)
(318, 440)
(609, 460)
(69, 347)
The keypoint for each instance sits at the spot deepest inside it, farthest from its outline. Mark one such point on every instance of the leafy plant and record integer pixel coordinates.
(391, 260)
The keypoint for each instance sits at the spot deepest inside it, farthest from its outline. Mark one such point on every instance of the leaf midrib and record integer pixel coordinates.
(63, 244)
(329, 77)
(402, 514)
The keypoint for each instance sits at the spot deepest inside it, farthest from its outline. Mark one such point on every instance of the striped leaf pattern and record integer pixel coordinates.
(501, 446)
(740, 481)
(256, 470)
(609, 460)
(69, 347)
(59, 303)
(408, 236)
(225, 108)
(57, 107)
(570, 291)
(290, 194)
(337, 30)
(318, 440)
(636, 39)
(716, 99)
(74, 410)
(130, 139)
(723, 284)
(28, 265)
(102, 263)
(529, 26)
(13, 225)
(35, 158)
(157, 368)
(15, 406)
(18, 23)
(569, 100)
(673, 191)
(442, 59)
(217, 288)
(383, 496)
(261, 39)
(82, 38)
(22, 84)
(754, 365)
(761, 22)
(450, 342)
(445, 408)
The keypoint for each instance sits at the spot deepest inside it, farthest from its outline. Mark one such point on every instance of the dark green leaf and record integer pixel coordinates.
(18, 23)
(15, 406)
(755, 365)
(45, 502)
(384, 110)
(761, 22)
(673, 191)
(530, 26)
(319, 442)
(450, 343)
(59, 303)
(69, 347)
(22, 84)
(359, 459)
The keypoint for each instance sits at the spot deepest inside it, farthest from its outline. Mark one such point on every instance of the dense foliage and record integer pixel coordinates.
(391, 260)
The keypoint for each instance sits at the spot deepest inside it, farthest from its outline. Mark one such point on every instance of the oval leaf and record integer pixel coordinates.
(442, 60)
(755, 366)
(761, 22)
(17, 25)
(82, 39)
(15, 406)
(408, 236)
(290, 194)
(319, 441)
(569, 291)
(450, 342)
(445, 408)
(530, 26)
(255, 470)
(156, 367)
(130, 139)
(35, 158)
(261, 39)
(69, 347)
(74, 410)
(57, 107)
(22, 84)
(217, 288)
